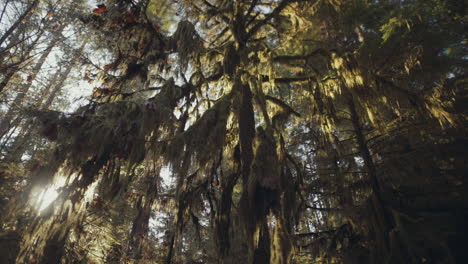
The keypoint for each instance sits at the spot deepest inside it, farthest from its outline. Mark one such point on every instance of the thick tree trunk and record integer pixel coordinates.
(141, 220)
(246, 138)
(223, 216)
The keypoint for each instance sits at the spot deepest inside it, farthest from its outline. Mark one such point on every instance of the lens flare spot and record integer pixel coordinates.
(47, 197)
(447, 51)
(42, 197)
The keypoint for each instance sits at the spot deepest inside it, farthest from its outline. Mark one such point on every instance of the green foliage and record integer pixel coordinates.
(392, 27)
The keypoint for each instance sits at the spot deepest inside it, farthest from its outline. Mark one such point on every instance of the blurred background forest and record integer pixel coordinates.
(233, 131)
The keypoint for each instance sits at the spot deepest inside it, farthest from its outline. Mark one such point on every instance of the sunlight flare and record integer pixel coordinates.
(43, 197)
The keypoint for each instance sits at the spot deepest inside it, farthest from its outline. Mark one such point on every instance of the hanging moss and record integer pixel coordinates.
(186, 42)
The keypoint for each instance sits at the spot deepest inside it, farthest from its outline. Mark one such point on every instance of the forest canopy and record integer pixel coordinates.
(233, 131)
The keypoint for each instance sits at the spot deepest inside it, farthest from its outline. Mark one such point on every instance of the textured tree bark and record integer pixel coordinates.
(246, 137)
(170, 252)
(223, 216)
(139, 228)
(141, 220)
(262, 253)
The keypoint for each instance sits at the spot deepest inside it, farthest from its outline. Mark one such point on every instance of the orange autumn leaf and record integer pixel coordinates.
(49, 15)
(100, 9)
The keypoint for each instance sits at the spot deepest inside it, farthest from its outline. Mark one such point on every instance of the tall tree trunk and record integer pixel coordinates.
(4, 9)
(15, 40)
(141, 220)
(223, 216)
(380, 218)
(20, 144)
(18, 22)
(170, 251)
(12, 70)
(363, 149)
(50, 93)
(6, 78)
(246, 138)
(17, 102)
(178, 220)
